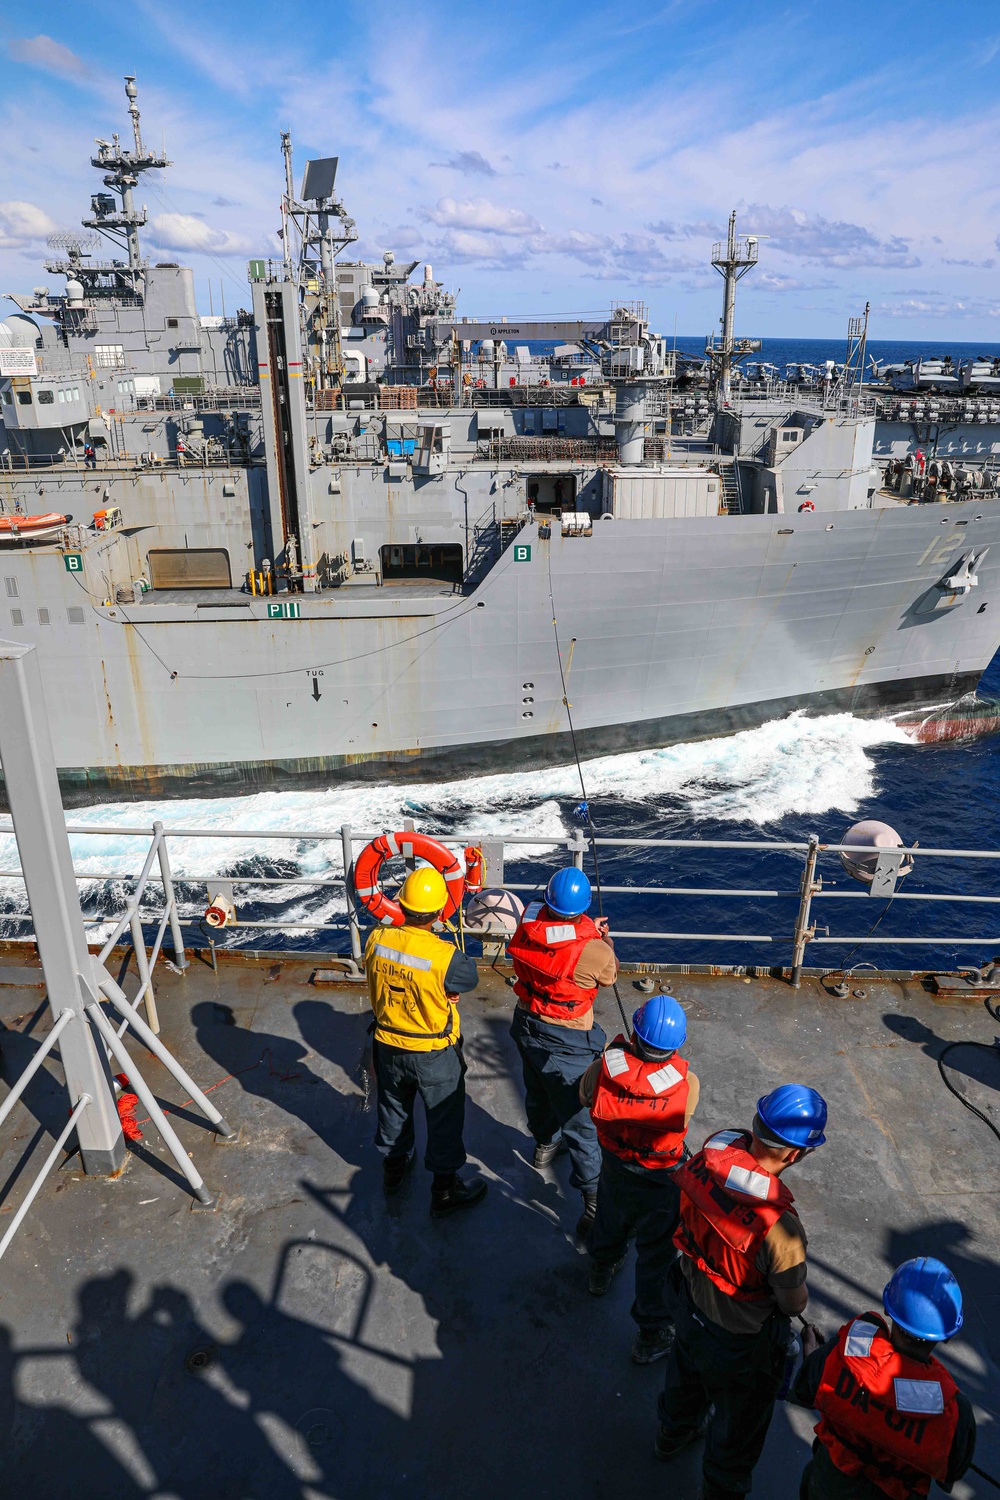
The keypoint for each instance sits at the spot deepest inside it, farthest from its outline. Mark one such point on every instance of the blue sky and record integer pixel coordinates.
(545, 158)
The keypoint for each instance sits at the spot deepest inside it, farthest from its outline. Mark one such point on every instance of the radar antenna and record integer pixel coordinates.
(315, 227)
(76, 244)
(121, 222)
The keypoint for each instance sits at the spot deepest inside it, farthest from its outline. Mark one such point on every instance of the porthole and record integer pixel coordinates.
(527, 714)
(526, 687)
(527, 700)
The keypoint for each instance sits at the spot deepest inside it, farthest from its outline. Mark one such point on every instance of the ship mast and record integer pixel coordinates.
(123, 169)
(857, 349)
(324, 228)
(732, 264)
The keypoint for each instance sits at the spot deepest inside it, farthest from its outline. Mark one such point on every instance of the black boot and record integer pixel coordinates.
(547, 1151)
(586, 1219)
(653, 1344)
(449, 1194)
(395, 1169)
(666, 1446)
(601, 1278)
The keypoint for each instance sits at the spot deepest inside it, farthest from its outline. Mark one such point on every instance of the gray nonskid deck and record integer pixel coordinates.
(354, 1349)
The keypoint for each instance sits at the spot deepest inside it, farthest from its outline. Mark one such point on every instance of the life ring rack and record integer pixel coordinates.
(807, 505)
(366, 872)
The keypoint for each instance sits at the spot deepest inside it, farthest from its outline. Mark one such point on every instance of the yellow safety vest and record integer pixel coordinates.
(406, 968)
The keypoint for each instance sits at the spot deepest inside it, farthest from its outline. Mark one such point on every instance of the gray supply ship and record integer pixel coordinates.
(327, 536)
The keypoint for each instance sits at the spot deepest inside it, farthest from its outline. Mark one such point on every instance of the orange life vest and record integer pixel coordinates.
(729, 1202)
(545, 952)
(885, 1415)
(639, 1106)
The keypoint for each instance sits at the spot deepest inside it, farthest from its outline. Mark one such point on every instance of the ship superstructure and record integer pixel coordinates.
(324, 535)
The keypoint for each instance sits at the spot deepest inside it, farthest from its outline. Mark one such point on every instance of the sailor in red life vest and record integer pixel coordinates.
(561, 957)
(891, 1417)
(743, 1273)
(641, 1097)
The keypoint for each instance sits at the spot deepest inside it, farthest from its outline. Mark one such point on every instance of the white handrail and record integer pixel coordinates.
(145, 1093)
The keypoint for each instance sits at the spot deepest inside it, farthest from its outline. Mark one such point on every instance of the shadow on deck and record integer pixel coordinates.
(310, 1340)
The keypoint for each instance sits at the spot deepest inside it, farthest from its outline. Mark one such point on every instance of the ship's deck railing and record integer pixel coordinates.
(546, 448)
(224, 398)
(229, 456)
(798, 930)
(810, 397)
(130, 918)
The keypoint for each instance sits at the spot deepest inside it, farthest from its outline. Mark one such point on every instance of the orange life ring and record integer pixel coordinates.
(807, 505)
(367, 869)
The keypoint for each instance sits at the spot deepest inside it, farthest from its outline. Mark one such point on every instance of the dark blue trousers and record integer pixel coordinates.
(646, 1205)
(439, 1079)
(553, 1060)
(740, 1374)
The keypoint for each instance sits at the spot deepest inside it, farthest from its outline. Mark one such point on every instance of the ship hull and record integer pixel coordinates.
(668, 630)
(84, 786)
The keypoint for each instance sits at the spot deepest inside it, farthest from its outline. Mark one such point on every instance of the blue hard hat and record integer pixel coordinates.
(794, 1114)
(924, 1298)
(568, 893)
(661, 1023)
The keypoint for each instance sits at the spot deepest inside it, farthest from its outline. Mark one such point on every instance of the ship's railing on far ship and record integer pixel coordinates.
(784, 948)
(223, 398)
(816, 396)
(216, 456)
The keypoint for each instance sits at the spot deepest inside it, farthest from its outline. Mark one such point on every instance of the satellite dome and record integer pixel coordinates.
(74, 292)
(495, 911)
(19, 332)
(865, 835)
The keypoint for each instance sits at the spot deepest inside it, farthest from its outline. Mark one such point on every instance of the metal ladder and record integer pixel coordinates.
(732, 498)
(491, 536)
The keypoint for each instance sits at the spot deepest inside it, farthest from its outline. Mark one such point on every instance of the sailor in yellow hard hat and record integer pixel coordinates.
(414, 978)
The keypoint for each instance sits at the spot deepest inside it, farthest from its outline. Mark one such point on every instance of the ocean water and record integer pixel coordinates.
(814, 351)
(784, 780)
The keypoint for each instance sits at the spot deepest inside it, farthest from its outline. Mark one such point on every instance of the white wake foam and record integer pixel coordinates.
(797, 765)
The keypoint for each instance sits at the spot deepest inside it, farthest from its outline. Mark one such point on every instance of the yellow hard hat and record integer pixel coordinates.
(424, 891)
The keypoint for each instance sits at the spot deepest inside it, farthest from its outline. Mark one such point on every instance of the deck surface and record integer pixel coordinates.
(357, 1350)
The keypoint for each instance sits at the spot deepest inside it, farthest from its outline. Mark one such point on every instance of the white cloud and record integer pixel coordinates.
(186, 232)
(479, 214)
(812, 237)
(460, 246)
(469, 163)
(43, 52)
(940, 307)
(840, 177)
(22, 223)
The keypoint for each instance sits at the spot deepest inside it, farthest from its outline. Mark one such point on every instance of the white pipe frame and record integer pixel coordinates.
(118, 1050)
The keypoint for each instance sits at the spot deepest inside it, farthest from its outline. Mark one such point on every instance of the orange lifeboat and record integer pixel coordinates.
(28, 528)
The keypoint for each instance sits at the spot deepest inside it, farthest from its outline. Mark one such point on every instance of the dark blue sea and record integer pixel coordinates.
(783, 781)
(815, 351)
